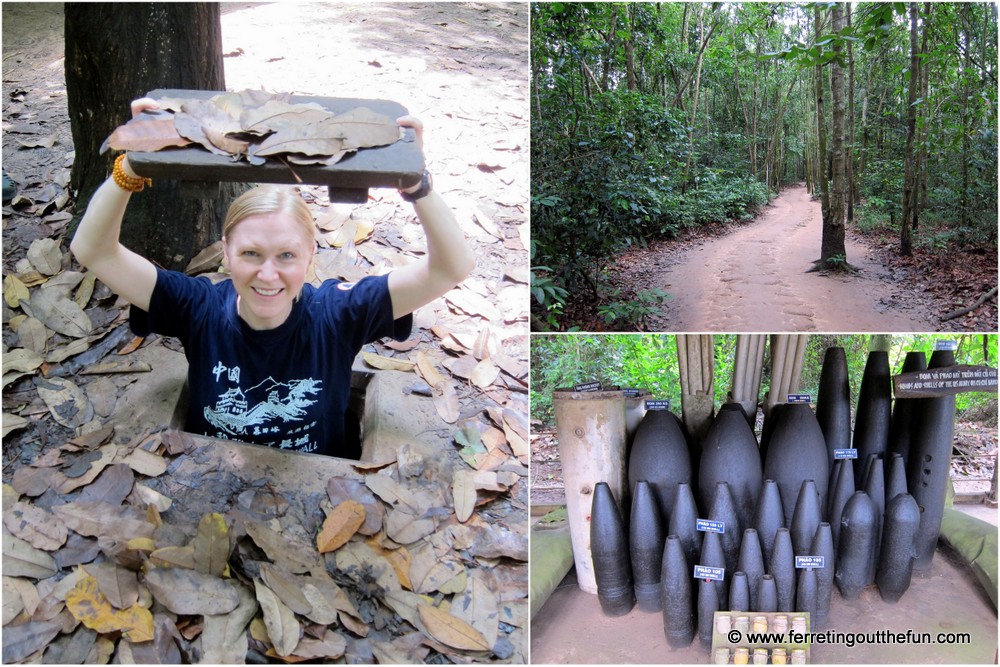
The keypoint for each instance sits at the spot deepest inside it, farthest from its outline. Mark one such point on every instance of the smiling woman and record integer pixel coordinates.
(270, 355)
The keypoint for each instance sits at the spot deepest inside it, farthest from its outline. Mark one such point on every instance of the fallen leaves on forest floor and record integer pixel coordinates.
(98, 567)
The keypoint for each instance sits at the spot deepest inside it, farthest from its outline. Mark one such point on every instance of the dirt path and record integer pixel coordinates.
(755, 280)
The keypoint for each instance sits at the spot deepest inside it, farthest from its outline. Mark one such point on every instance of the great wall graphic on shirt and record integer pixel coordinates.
(270, 407)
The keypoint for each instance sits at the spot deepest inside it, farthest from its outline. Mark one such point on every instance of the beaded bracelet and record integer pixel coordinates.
(126, 182)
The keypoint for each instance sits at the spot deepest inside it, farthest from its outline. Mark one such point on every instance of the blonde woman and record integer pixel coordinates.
(269, 355)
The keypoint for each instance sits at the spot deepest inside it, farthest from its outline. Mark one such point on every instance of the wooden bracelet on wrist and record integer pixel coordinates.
(126, 182)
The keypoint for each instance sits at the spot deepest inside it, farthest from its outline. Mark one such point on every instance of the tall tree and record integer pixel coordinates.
(821, 126)
(909, 177)
(833, 228)
(115, 53)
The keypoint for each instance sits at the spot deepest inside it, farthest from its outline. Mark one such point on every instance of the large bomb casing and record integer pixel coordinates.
(796, 452)
(609, 549)
(874, 411)
(899, 533)
(930, 462)
(660, 456)
(729, 454)
(679, 618)
(645, 539)
(857, 542)
(833, 401)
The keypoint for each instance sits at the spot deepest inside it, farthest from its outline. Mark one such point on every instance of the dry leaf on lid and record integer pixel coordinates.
(288, 588)
(14, 291)
(282, 628)
(45, 256)
(210, 545)
(464, 493)
(340, 525)
(387, 363)
(89, 606)
(145, 135)
(224, 637)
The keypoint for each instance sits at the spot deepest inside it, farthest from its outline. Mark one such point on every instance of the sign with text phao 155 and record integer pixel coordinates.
(944, 381)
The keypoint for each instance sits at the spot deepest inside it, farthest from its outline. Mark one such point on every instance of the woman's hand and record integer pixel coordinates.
(418, 128)
(142, 104)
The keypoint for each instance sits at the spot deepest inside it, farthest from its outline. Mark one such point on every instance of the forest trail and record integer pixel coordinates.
(755, 280)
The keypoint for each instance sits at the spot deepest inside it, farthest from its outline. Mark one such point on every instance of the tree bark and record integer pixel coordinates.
(824, 186)
(115, 53)
(852, 184)
(833, 227)
(909, 180)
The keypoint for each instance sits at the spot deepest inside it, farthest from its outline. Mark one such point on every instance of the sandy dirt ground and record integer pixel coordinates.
(755, 279)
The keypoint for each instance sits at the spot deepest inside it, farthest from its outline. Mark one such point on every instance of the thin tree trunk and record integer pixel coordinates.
(852, 185)
(909, 180)
(833, 228)
(821, 130)
(925, 126)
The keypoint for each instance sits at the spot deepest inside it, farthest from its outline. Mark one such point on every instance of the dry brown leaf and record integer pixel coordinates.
(288, 588)
(35, 525)
(340, 525)
(12, 423)
(331, 646)
(85, 290)
(487, 223)
(399, 558)
(485, 373)
(282, 628)
(145, 135)
(12, 602)
(340, 489)
(211, 545)
(224, 637)
(152, 498)
(478, 606)
(405, 528)
(473, 304)
(89, 606)
(67, 403)
(59, 313)
(97, 519)
(20, 559)
(107, 455)
(293, 555)
(14, 291)
(22, 641)
(387, 363)
(22, 360)
(430, 571)
(33, 335)
(119, 585)
(132, 345)
(320, 609)
(103, 395)
(173, 557)
(45, 256)
(146, 463)
(464, 493)
(451, 630)
(189, 592)
(360, 561)
(390, 491)
(208, 259)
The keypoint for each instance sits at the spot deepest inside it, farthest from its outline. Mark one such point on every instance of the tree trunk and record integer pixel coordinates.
(833, 227)
(115, 53)
(852, 184)
(909, 180)
(824, 186)
(925, 125)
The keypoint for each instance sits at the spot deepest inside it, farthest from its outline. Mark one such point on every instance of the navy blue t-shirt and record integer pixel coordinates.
(286, 387)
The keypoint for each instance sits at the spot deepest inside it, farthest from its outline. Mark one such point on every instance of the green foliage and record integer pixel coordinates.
(633, 315)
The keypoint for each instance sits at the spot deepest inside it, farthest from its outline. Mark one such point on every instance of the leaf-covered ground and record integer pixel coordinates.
(70, 365)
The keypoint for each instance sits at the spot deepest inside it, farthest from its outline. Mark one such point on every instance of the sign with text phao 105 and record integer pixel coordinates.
(712, 573)
(944, 381)
(802, 562)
